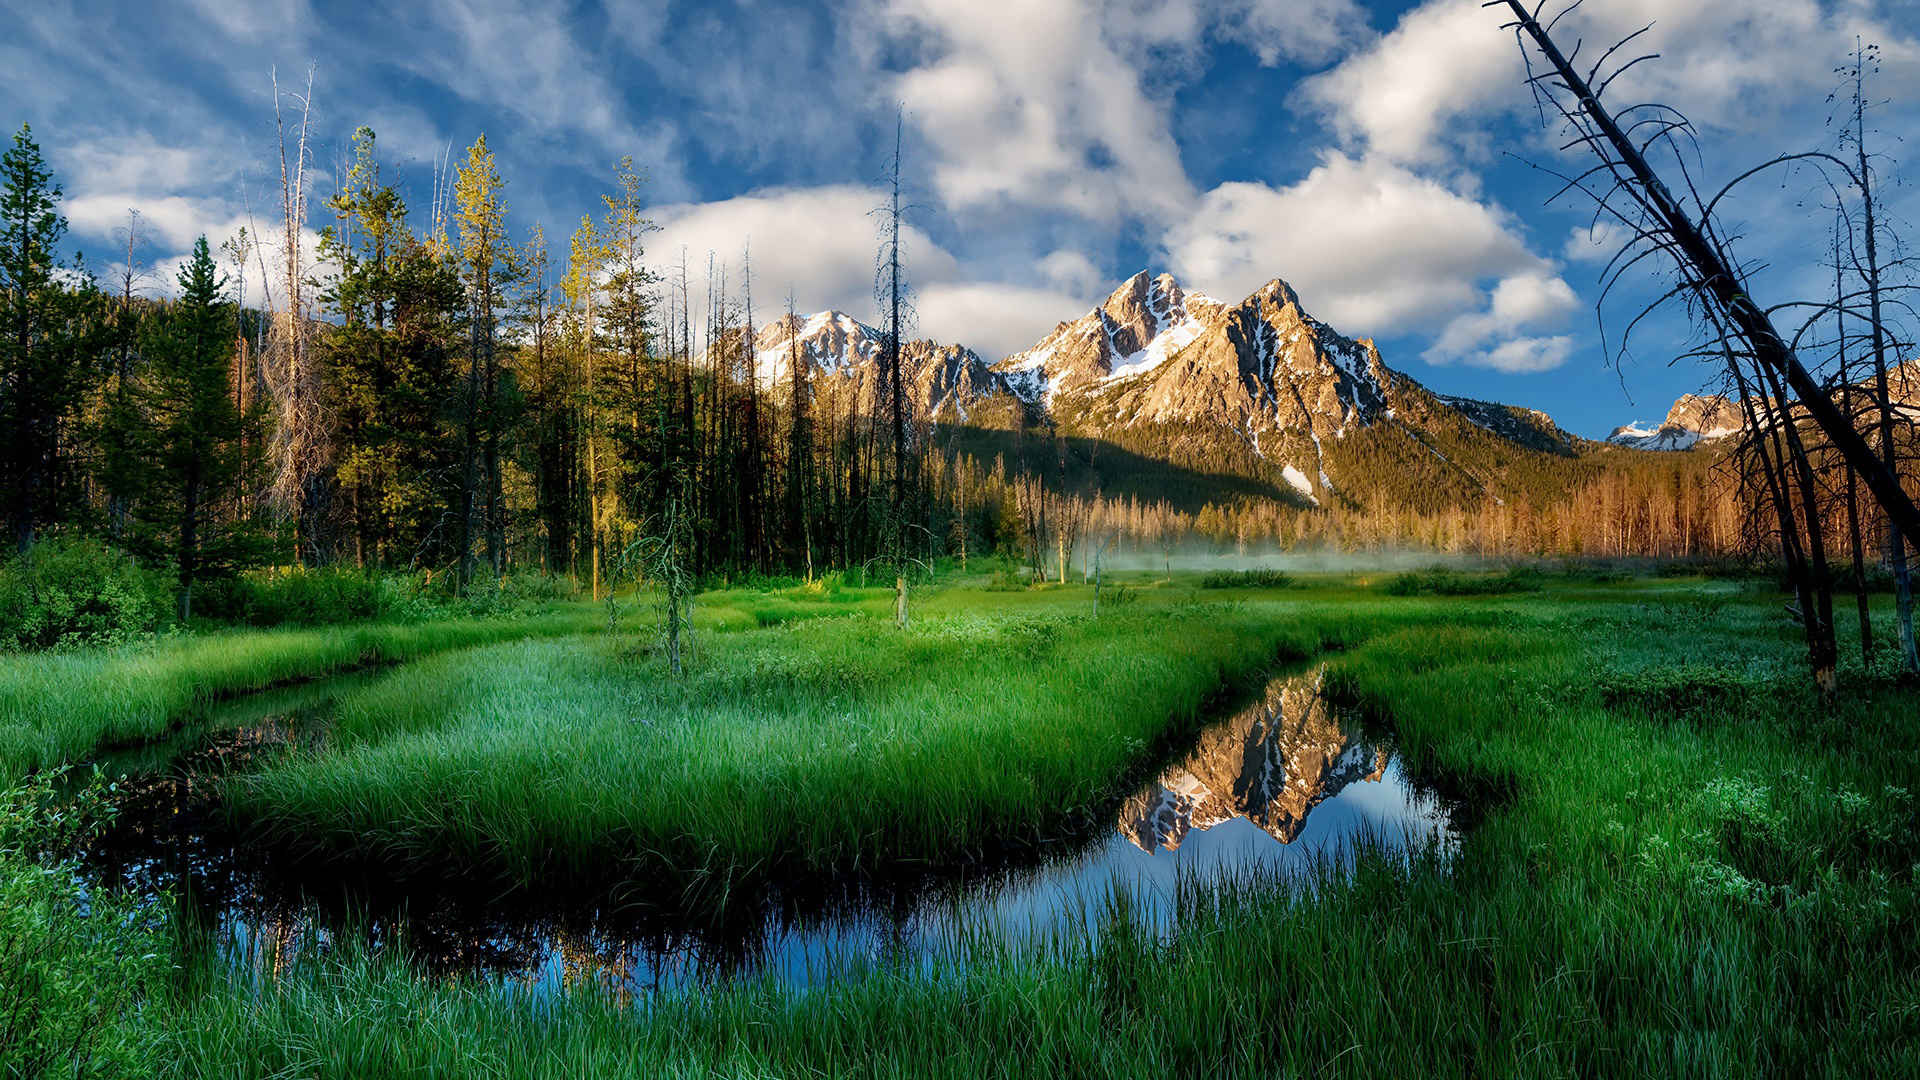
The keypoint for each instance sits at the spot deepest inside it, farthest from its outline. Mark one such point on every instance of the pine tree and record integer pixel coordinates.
(549, 429)
(43, 342)
(632, 387)
(486, 262)
(587, 256)
(198, 432)
(390, 367)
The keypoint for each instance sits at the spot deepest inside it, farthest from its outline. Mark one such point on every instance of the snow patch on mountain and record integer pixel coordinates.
(1299, 482)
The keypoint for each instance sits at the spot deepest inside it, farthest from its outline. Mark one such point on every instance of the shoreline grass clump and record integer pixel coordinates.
(809, 749)
(1440, 581)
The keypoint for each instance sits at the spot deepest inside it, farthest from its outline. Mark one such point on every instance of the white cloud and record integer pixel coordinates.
(995, 320)
(819, 242)
(1073, 273)
(1305, 30)
(1064, 105)
(1496, 337)
(1420, 91)
(1035, 107)
(1372, 247)
(1527, 356)
(1595, 243)
(1378, 250)
(1444, 59)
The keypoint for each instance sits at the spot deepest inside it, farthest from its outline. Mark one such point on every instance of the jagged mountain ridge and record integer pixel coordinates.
(1262, 388)
(1258, 389)
(1699, 419)
(1694, 419)
(949, 381)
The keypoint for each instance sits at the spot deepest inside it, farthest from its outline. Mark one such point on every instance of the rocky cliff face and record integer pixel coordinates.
(1698, 419)
(841, 355)
(1142, 324)
(1694, 419)
(1271, 764)
(1260, 383)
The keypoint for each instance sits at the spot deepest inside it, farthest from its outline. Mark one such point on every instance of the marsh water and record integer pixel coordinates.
(1285, 787)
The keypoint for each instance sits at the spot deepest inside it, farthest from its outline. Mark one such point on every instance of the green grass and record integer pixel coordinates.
(1679, 861)
(59, 707)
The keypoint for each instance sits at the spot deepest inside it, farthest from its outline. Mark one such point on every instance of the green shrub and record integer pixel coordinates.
(1442, 582)
(79, 592)
(1684, 691)
(1008, 579)
(1246, 579)
(77, 966)
(312, 597)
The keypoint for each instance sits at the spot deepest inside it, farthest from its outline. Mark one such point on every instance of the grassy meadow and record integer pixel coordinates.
(1676, 859)
(58, 707)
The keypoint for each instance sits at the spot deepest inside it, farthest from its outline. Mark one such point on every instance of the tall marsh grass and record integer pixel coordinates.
(58, 707)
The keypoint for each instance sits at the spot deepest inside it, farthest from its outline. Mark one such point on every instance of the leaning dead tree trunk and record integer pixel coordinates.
(1660, 220)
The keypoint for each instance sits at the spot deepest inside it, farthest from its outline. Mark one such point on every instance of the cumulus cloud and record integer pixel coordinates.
(1420, 92)
(1528, 355)
(1496, 337)
(1444, 59)
(1595, 243)
(1376, 249)
(994, 319)
(1073, 273)
(1305, 30)
(820, 243)
(1372, 247)
(1035, 108)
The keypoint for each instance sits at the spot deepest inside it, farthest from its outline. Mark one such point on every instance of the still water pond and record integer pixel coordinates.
(1284, 785)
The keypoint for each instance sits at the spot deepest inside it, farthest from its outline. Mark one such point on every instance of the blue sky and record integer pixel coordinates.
(1376, 156)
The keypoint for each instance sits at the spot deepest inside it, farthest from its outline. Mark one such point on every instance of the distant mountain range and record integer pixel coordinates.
(1261, 379)
(1697, 419)
(1258, 389)
(1694, 419)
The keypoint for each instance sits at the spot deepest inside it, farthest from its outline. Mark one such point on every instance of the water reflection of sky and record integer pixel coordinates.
(1289, 759)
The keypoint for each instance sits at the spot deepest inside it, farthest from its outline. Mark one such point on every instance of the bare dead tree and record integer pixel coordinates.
(299, 445)
(1856, 547)
(123, 423)
(893, 399)
(1870, 272)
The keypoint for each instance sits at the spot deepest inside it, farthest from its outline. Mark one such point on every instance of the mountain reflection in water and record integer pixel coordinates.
(1284, 784)
(1271, 764)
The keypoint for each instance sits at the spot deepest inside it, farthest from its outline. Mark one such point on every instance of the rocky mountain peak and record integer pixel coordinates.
(1694, 419)
(1141, 323)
